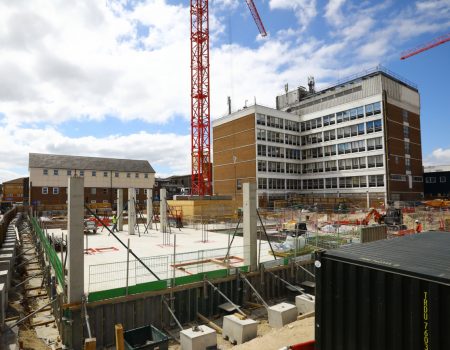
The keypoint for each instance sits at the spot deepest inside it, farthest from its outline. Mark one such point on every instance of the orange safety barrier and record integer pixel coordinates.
(405, 232)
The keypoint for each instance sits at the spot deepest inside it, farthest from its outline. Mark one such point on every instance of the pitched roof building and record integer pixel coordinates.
(49, 175)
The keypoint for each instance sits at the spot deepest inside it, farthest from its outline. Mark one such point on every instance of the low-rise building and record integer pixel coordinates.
(49, 175)
(16, 191)
(436, 181)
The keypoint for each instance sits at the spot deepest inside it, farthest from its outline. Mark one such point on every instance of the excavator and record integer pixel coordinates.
(393, 218)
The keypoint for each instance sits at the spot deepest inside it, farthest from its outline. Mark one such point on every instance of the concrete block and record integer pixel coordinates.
(281, 314)
(5, 280)
(6, 265)
(5, 277)
(7, 250)
(7, 257)
(239, 331)
(200, 339)
(2, 304)
(305, 303)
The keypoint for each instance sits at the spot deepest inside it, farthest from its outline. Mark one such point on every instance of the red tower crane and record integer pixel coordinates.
(255, 14)
(200, 94)
(436, 42)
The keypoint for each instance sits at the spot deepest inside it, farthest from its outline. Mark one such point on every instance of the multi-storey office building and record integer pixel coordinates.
(49, 175)
(357, 139)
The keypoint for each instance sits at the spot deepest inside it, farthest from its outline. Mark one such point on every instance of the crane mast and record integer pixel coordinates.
(200, 107)
(200, 94)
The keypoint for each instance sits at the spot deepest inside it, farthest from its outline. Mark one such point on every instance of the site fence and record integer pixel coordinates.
(50, 251)
(116, 275)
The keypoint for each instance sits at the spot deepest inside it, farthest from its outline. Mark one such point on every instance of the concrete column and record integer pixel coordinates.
(162, 210)
(368, 200)
(131, 210)
(149, 207)
(250, 228)
(75, 255)
(120, 209)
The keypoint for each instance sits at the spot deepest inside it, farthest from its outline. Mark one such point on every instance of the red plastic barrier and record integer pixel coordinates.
(309, 345)
(405, 232)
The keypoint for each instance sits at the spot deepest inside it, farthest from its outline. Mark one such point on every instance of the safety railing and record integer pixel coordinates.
(166, 267)
(50, 252)
(116, 274)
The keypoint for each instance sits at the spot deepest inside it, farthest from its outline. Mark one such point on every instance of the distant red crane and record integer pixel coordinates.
(255, 14)
(436, 42)
(200, 93)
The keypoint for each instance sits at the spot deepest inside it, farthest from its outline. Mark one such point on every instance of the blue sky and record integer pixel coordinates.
(112, 78)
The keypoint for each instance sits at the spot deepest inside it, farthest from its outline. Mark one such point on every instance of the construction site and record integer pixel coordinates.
(305, 228)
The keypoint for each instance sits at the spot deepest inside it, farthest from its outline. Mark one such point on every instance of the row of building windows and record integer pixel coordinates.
(320, 167)
(318, 184)
(403, 178)
(432, 179)
(319, 152)
(339, 117)
(344, 132)
(272, 136)
(93, 190)
(56, 172)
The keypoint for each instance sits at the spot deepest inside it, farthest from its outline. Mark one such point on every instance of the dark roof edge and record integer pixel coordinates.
(151, 170)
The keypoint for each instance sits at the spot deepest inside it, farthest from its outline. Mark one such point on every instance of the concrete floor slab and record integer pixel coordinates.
(105, 258)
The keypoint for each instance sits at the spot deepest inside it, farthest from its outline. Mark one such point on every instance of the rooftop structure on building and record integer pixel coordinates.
(302, 98)
(359, 139)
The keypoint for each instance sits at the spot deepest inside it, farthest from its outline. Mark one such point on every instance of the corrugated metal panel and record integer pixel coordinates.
(392, 294)
(373, 233)
(424, 255)
(142, 311)
(370, 86)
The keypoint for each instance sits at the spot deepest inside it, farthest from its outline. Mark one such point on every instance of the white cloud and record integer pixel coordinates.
(305, 10)
(6, 175)
(167, 153)
(226, 4)
(333, 12)
(97, 59)
(433, 5)
(440, 156)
